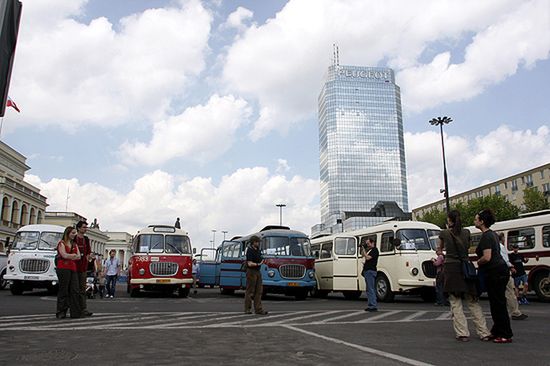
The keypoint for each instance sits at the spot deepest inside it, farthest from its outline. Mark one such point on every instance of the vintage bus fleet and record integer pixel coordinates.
(288, 268)
(161, 261)
(404, 266)
(31, 260)
(532, 235)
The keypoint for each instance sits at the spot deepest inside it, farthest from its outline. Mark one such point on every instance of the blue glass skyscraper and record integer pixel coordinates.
(362, 153)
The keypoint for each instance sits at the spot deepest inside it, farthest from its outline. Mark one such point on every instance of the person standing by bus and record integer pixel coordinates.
(455, 241)
(520, 276)
(511, 302)
(370, 253)
(86, 256)
(438, 264)
(254, 286)
(112, 270)
(68, 292)
(496, 276)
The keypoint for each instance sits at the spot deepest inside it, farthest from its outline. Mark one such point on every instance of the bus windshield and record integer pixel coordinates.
(30, 240)
(285, 246)
(413, 239)
(158, 243)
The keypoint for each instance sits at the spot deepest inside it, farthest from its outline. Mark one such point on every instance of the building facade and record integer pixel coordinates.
(511, 188)
(121, 243)
(22, 203)
(98, 239)
(362, 152)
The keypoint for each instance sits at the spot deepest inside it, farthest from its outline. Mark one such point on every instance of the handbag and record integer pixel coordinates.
(469, 270)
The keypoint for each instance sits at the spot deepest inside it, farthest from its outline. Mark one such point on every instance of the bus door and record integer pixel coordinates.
(324, 266)
(345, 265)
(208, 267)
(230, 265)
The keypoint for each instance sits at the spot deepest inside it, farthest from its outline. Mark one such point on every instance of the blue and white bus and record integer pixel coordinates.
(288, 263)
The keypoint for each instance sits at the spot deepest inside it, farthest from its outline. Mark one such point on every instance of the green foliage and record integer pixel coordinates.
(503, 210)
(534, 200)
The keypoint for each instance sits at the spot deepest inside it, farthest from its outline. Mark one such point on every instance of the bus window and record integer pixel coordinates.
(177, 244)
(284, 246)
(433, 238)
(546, 236)
(151, 243)
(524, 238)
(26, 240)
(412, 239)
(344, 246)
(225, 250)
(386, 244)
(326, 251)
(315, 249)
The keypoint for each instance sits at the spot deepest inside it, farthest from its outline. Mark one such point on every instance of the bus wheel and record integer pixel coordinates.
(301, 295)
(3, 282)
(352, 295)
(542, 286)
(227, 291)
(16, 288)
(383, 289)
(319, 293)
(183, 292)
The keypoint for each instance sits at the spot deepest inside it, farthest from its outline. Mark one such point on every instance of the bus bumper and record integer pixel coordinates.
(417, 283)
(160, 281)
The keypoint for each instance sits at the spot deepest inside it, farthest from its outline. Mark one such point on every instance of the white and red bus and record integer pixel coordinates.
(161, 261)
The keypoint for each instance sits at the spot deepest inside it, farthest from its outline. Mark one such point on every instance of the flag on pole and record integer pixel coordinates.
(11, 103)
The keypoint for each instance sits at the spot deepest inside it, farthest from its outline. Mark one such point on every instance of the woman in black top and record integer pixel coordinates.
(496, 276)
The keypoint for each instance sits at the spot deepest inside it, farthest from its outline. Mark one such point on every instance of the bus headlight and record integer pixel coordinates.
(271, 273)
(311, 274)
(414, 271)
(141, 271)
(185, 271)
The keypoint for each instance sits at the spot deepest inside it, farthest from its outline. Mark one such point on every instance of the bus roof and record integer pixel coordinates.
(516, 223)
(162, 229)
(42, 227)
(278, 231)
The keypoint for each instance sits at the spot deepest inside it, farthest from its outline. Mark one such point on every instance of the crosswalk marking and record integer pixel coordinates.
(177, 320)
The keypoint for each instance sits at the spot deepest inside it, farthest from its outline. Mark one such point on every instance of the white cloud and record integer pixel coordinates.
(200, 133)
(70, 73)
(282, 62)
(282, 166)
(238, 18)
(241, 203)
(470, 161)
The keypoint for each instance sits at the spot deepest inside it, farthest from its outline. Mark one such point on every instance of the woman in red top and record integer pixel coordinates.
(68, 254)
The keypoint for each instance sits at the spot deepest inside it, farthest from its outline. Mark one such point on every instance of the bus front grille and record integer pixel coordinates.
(292, 271)
(429, 269)
(163, 268)
(30, 265)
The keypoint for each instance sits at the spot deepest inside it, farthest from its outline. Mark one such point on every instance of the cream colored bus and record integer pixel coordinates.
(532, 235)
(404, 265)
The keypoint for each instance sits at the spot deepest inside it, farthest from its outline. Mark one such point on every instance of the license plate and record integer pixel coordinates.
(293, 284)
(163, 280)
(154, 259)
(31, 277)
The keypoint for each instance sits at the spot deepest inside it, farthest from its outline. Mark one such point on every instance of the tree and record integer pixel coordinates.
(534, 200)
(503, 210)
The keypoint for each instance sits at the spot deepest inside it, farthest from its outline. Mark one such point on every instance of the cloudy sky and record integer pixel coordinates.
(146, 110)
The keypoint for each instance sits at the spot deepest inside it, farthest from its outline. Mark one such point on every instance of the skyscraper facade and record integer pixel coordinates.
(362, 152)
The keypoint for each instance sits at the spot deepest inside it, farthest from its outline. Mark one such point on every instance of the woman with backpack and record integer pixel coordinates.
(67, 295)
(455, 241)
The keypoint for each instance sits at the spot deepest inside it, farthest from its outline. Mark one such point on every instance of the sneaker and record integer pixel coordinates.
(519, 317)
(463, 338)
(371, 310)
(525, 302)
(263, 312)
(87, 313)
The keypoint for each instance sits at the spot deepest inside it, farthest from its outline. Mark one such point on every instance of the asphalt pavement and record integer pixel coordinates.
(208, 328)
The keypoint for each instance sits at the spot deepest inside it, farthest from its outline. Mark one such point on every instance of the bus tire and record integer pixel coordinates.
(542, 286)
(3, 282)
(227, 291)
(16, 288)
(352, 295)
(319, 293)
(134, 292)
(301, 295)
(383, 288)
(183, 292)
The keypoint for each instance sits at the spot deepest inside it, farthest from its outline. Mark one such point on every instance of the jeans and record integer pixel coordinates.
(370, 277)
(440, 297)
(111, 285)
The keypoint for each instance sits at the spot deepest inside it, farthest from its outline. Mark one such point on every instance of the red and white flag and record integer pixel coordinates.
(11, 103)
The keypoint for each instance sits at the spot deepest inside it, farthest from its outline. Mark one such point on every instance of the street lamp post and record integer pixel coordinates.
(224, 232)
(280, 205)
(213, 238)
(440, 121)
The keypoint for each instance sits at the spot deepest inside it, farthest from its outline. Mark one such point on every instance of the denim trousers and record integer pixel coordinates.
(111, 285)
(370, 277)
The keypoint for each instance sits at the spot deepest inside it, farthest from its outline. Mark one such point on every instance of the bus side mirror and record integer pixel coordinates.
(194, 250)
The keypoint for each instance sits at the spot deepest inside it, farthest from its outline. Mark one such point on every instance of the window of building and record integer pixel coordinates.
(546, 188)
(514, 185)
(524, 238)
(529, 180)
(497, 190)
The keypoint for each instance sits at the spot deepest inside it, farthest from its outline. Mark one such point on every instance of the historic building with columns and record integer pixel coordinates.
(121, 242)
(22, 203)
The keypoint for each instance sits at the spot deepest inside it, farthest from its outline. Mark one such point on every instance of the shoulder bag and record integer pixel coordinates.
(469, 271)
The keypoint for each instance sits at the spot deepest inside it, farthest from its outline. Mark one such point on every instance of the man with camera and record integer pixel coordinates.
(370, 253)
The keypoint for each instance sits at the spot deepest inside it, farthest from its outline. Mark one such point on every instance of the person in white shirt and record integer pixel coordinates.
(112, 270)
(511, 300)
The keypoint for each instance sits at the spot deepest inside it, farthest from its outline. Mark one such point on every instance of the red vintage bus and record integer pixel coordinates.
(161, 261)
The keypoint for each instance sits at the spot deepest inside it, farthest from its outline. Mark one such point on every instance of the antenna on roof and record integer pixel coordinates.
(335, 55)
